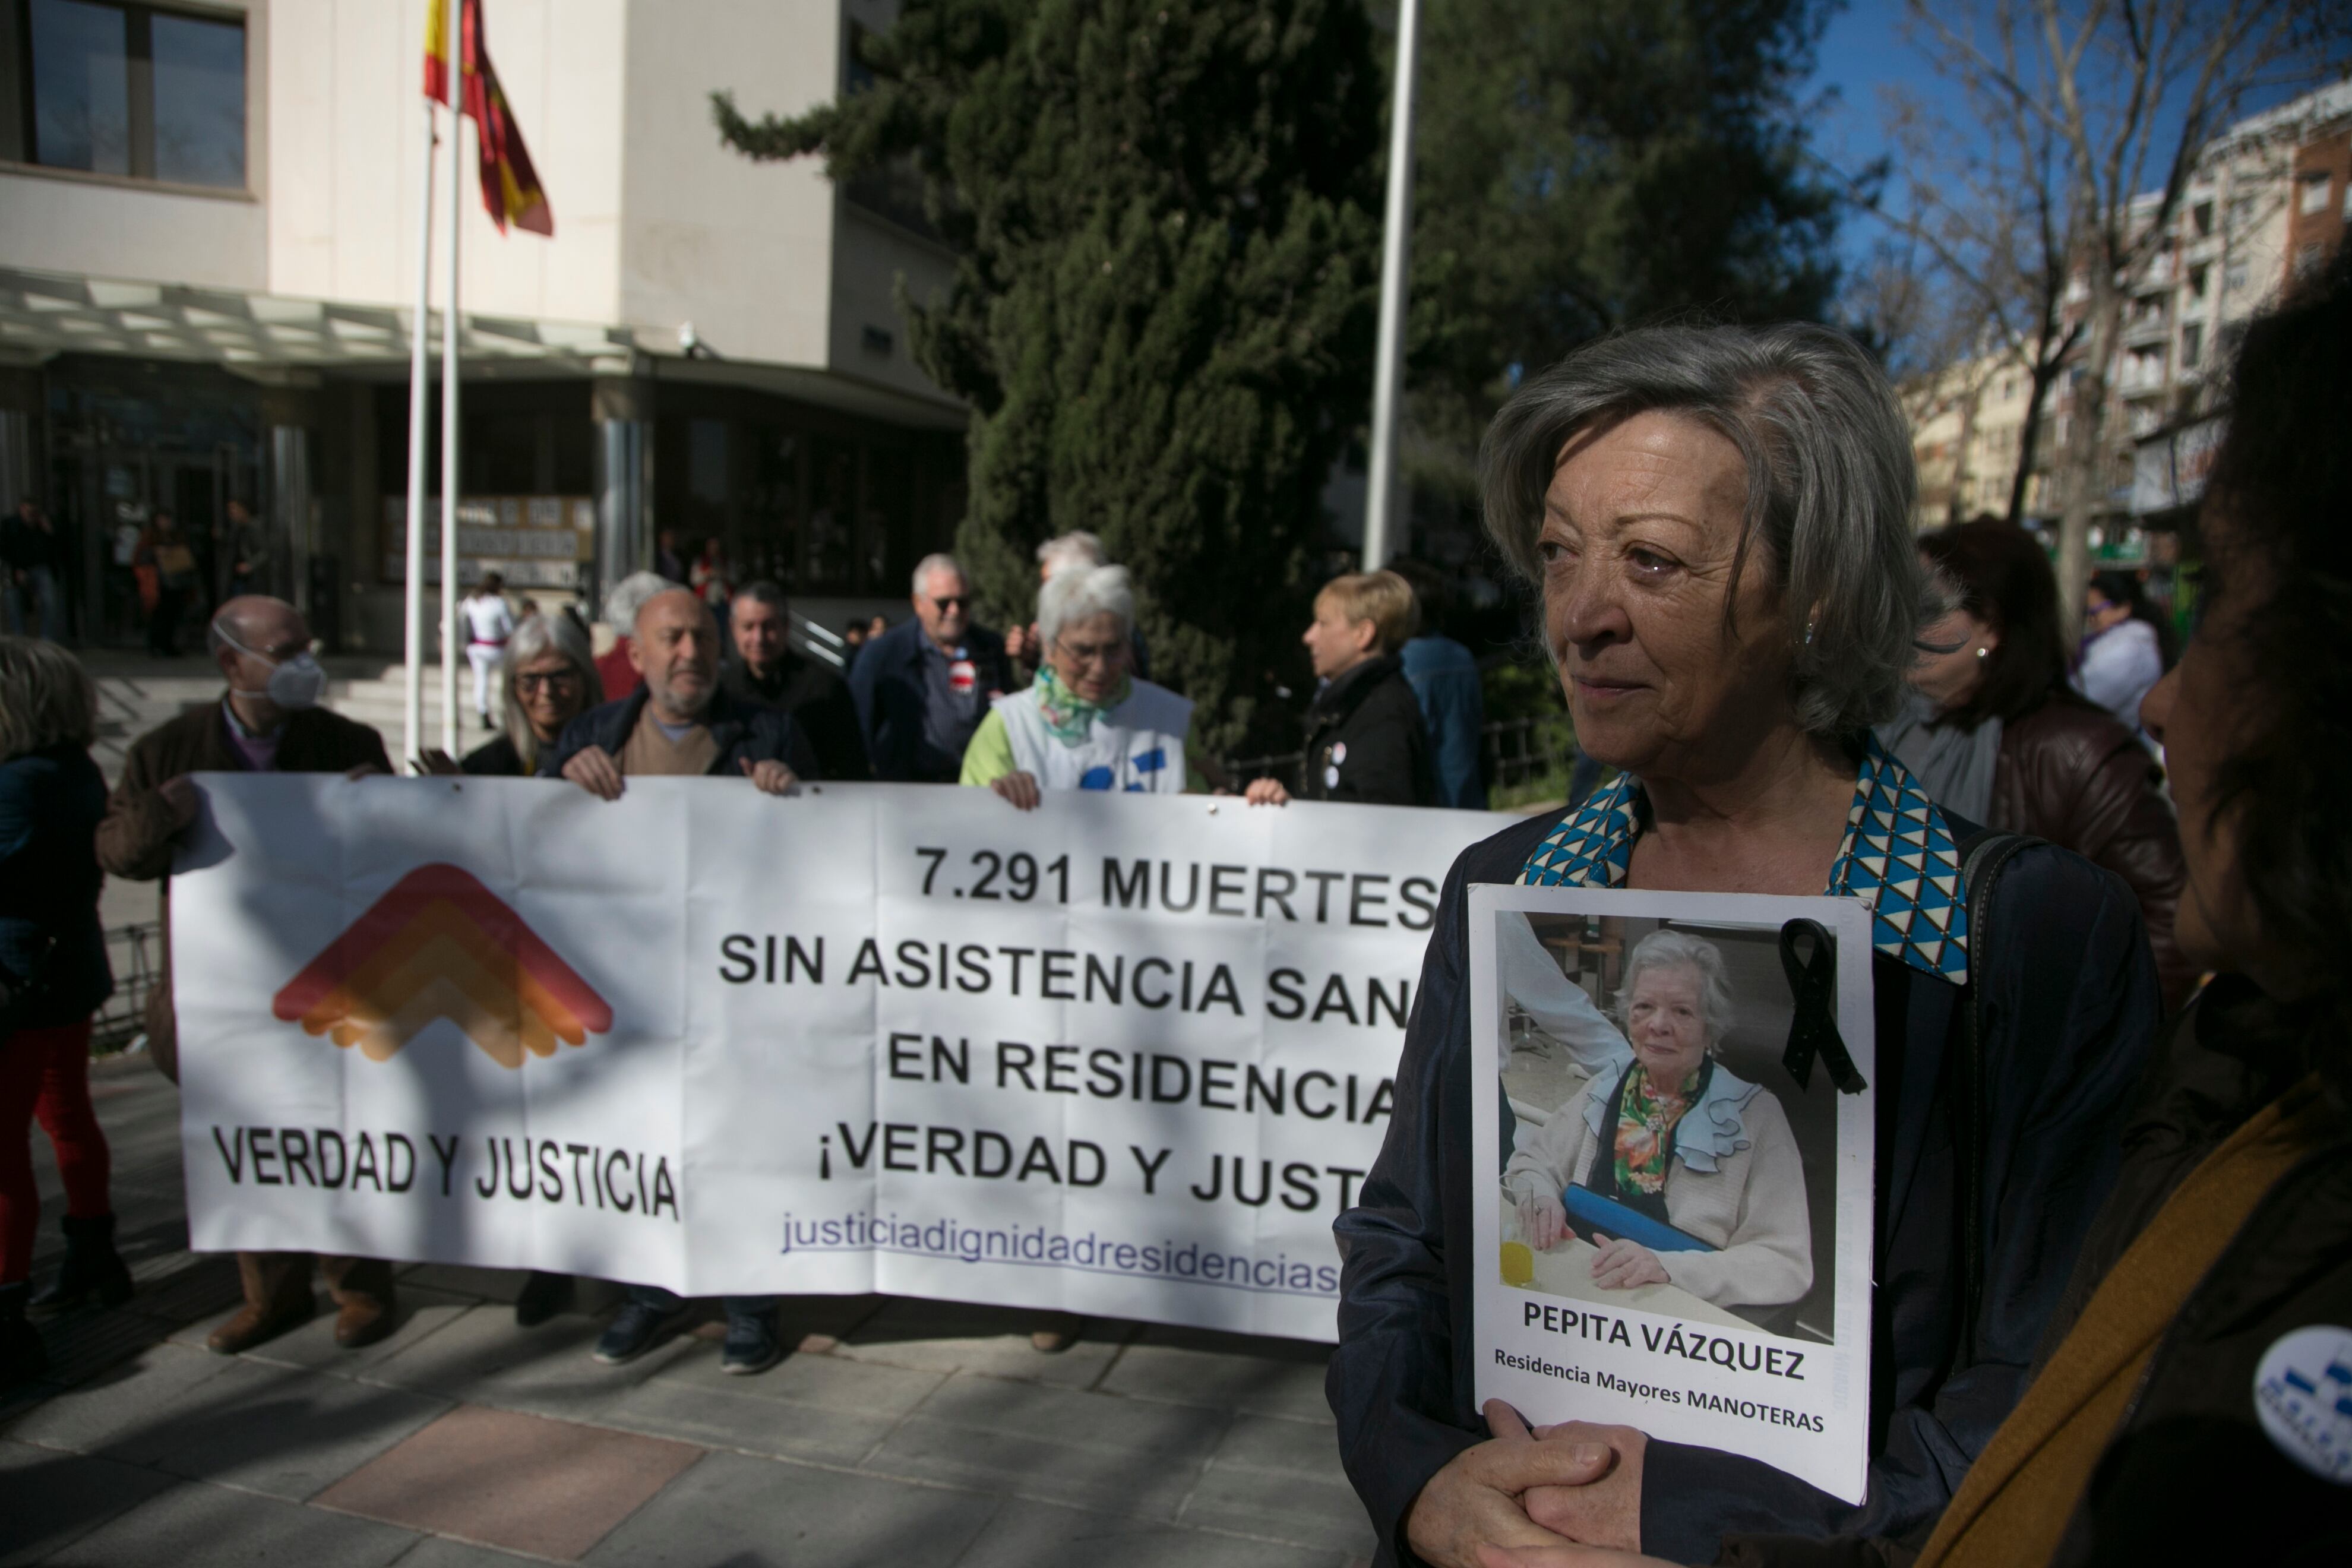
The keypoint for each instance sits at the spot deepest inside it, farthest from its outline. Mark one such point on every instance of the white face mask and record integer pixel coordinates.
(295, 684)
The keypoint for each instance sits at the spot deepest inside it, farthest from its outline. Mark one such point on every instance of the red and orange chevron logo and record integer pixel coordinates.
(442, 945)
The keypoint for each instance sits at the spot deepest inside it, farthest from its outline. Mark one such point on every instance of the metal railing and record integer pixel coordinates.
(135, 952)
(1522, 751)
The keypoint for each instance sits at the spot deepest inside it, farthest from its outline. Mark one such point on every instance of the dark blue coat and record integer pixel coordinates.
(746, 732)
(1444, 679)
(52, 948)
(2071, 1006)
(888, 683)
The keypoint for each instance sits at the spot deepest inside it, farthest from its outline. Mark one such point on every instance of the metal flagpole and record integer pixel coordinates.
(1379, 482)
(454, 78)
(420, 355)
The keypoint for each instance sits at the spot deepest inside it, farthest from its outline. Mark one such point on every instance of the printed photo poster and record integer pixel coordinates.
(1683, 1134)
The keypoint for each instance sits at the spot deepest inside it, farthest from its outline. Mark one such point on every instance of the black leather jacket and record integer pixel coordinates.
(2071, 1003)
(2069, 773)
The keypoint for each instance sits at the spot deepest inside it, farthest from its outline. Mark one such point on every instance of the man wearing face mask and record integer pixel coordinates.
(268, 720)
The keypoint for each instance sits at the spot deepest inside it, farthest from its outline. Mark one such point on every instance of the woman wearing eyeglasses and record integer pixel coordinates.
(551, 680)
(1086, 722)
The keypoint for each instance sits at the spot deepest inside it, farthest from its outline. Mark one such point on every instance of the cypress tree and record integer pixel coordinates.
(1165, 214)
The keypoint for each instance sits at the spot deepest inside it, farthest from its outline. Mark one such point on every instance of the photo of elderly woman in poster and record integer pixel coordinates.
(1679, 1170)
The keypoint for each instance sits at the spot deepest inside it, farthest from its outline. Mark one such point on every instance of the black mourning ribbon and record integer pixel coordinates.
(1813, 1032)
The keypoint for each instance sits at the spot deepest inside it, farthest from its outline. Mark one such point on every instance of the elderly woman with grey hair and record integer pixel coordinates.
(1086, 722)
(1717, 521)
(1662, 1129)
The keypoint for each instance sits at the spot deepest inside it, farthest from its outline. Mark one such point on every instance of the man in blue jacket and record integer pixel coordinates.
(681, 721)
(923, 687)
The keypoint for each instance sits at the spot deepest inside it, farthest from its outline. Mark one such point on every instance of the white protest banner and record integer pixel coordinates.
(1123, 1055)
(1681, 1239)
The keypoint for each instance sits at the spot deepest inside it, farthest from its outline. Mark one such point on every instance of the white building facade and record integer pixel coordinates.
(208, 243)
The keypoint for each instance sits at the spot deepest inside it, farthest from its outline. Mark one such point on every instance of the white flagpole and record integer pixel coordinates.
(449, 644)
(420, 356)
(1380, 483)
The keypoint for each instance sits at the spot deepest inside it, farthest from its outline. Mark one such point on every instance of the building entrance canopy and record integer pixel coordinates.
(43, 314)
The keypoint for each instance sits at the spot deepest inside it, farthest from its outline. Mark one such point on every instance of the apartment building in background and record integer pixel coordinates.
(208, 251)
(1967, 422)
(2270, 200)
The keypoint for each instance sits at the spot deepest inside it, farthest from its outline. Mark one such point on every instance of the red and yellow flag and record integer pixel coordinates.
(510, 188)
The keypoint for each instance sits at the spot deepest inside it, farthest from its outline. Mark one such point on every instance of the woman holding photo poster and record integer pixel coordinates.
(2189, 1404)
(1717, 520)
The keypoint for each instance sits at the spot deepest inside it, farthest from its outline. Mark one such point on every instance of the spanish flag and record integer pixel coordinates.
(510, 188)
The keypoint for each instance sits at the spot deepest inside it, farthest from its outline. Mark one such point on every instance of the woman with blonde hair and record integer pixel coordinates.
(1366, 739)
(53, 976)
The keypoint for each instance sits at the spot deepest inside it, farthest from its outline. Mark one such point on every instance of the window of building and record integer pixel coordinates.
(706, 460)
(2242, 215)
(137, 91)
(2306, 260)
(2197, 278)
(2192, 345)
(2241, 274)
(2316, 187)
(2201, 219)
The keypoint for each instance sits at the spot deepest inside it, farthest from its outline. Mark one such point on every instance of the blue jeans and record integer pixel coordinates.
(33, 604)
(670, 1300)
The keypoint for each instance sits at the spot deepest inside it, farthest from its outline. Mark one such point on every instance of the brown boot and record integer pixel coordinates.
(362, 1322)
(277, 1298)
(361, 1287)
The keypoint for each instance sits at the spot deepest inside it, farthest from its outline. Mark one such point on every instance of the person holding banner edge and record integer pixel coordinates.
(268, 720)
(1718, 521)
(1366, 739)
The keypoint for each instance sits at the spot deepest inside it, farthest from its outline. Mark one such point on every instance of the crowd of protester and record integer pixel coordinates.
(702, 678)
(2111, 1085)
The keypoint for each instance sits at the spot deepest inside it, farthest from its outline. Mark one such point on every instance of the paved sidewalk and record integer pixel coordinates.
(901, 1432)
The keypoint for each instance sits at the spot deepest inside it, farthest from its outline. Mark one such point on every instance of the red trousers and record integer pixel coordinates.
(46, 1073)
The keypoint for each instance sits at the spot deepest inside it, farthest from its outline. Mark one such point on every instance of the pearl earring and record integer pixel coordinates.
(1981, 652)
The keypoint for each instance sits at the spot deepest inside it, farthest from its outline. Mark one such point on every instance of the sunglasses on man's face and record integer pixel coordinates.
(953, 602)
